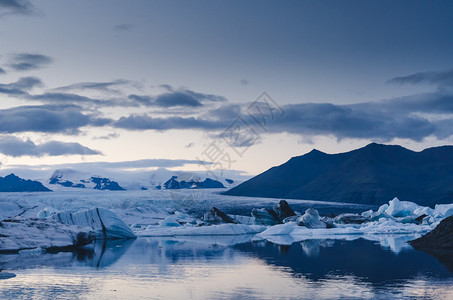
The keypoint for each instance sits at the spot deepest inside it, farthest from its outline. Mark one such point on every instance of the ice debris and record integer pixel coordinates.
(105, 224)
(311, 219)
(273, 216)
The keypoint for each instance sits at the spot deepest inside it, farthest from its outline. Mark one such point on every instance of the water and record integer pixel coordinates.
(228, 267)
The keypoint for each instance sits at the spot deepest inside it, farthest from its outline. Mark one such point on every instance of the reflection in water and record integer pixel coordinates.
(226, 267)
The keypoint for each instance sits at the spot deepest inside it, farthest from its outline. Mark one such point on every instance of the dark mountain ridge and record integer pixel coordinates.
(373, 175)
(13, 183)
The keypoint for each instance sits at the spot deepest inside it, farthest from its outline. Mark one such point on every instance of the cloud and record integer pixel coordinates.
(21, 86)
(29, 61)
(146, 122)
(134, 164)
(413, 117)
(19, 7)
(46, 118)
(99, 86)
(441, 79)
(109, 136)
(123, 27)
(244, 82)
(13, 146)
(2, 71)
(181, 97)
(177, 99)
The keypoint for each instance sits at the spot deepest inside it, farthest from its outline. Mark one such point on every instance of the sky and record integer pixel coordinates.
(219, 85)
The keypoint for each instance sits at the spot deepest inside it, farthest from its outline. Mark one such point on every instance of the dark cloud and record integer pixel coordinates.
(2, 71)
(167, 100)
(29, 61)
(123, 27)
(20, 7)
(177, 99)
(46, 118)
(99, 86)
(414, 117)
(21, 86)
(442, 79)
(182, 97)
(13, 146)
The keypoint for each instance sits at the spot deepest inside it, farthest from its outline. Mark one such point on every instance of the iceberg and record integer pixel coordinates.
(169, 222)
(32, 233)
(221, 229)
(105, 224)
(272, 216)
(216, 216)
(311, 219)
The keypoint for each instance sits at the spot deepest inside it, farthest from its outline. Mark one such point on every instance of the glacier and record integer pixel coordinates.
(130, 214)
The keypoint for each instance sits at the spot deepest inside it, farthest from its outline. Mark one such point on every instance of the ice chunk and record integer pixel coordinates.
(105, 223)
(262, 216)
(443, 210)
(272, 216)
(351, 219)
(46, 212)
(216, 216)
(169, 222)
(280, 229)
(31, 233)
(400, 209)
(222, 229)
(35, 251)
(311, 219)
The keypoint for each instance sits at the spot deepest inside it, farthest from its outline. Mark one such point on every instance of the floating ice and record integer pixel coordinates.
(222, 229)
(169, 222)
(105, 223)
(32, 233)
(311, 219)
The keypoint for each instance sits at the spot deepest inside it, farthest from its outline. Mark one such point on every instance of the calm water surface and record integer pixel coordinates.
(227, 268)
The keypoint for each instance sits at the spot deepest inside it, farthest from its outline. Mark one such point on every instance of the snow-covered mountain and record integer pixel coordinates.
(75, 179)
(125, 180)
(194, 182)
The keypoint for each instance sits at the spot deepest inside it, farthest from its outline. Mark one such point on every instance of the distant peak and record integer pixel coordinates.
(12, 175)
(315, 151)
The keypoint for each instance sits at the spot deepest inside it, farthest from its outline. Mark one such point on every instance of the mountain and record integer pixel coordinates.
(72, 178)
(369, 175)
(13, 183)
(192, 183)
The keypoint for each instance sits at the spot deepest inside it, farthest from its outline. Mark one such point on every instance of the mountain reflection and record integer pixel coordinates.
(366, 260)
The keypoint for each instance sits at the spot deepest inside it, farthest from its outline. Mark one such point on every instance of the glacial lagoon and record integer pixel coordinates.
(229, 267)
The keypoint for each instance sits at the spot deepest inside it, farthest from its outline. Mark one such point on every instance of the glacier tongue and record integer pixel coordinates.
(106, 224)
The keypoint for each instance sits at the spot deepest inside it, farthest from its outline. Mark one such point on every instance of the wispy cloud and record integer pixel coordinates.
(13, 146)
(19, 7)
(98, 86)
(29, 61)
(21, 86)
(441, 79)
(123, 27)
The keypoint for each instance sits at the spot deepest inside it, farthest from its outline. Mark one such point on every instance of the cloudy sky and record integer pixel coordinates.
(240, 85)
